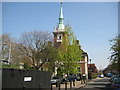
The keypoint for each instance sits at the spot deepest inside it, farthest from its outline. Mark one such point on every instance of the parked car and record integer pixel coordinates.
(116, 83)
(78, 78)
(109, 74)
(113, 77)
(71, 78)
(101, 76)
(63, 80)
(56, 80)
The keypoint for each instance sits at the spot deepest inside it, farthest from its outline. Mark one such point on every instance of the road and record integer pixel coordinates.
(98, 84)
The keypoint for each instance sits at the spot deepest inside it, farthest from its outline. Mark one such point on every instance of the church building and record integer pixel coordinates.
(60, 34)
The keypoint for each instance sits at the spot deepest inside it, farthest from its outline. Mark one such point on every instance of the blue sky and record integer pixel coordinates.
(94, 23)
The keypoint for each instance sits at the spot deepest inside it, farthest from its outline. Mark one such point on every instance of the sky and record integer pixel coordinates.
(93, 23)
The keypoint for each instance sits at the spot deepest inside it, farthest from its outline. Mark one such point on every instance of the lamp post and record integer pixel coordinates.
(90, 70)
(90, 64)
(9, 58)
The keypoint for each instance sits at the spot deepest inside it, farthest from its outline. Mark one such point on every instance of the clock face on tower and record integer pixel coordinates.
(59, 38)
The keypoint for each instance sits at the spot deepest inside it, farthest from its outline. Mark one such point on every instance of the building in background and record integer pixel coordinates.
(92, 67)
(84, 64)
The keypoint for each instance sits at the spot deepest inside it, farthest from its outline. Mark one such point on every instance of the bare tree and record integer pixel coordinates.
(9, 49)
(33, 46)
(5, 40)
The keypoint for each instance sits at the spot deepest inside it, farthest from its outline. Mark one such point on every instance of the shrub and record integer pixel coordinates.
(94, 75)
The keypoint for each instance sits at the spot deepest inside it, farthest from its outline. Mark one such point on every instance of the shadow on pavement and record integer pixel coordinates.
(106, 87)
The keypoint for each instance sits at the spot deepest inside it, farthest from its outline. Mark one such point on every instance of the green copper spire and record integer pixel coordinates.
(61, 19)
(61, 15)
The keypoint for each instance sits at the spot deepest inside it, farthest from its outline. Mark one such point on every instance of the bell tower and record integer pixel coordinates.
(59, 32)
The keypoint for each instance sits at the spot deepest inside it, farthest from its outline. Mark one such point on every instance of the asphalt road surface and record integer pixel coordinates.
(99, 84)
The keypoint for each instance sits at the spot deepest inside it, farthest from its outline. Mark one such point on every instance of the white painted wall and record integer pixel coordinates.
(86, 67)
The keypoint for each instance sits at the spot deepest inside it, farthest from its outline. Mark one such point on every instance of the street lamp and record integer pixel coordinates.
(90, 70)
(90, 64)
(9, 58)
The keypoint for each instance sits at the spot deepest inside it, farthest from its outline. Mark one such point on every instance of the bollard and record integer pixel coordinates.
(65, 85)
(84, 81)
(56, 84)
(73, 83)
(39, 86)
(81, 81)
(59, 86)
(70, 84)
(51, 87)
(23, 87)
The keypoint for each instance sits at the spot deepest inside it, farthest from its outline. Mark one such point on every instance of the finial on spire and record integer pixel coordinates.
(61, 2)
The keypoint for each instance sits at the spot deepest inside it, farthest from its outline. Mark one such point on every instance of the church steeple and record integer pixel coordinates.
(60, 32)
(61, 26)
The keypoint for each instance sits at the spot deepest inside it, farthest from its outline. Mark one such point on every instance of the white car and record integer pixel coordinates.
(55, 80)
(102, 76)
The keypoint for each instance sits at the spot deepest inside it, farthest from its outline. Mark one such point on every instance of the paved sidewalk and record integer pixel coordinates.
(78, 85)
(62, 86)
(98, 78)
